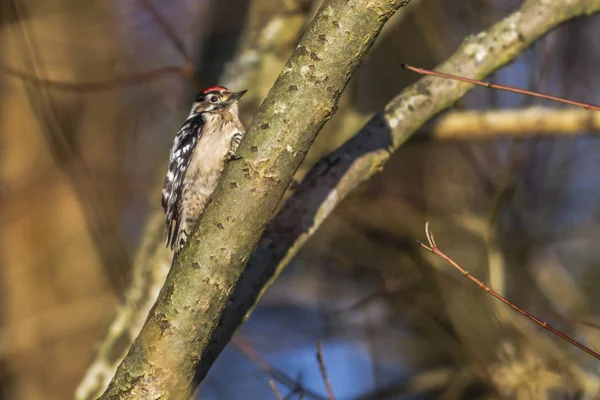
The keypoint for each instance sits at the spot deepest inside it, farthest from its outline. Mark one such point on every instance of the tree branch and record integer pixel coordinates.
(433, 247)
(85, 87)
(335, 176)
(186, 329)
(257, 63)
(519, 123)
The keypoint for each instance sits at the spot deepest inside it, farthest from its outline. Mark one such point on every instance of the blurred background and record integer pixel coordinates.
(91, 95)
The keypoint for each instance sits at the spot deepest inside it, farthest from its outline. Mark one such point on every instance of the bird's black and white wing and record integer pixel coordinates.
(181, 153)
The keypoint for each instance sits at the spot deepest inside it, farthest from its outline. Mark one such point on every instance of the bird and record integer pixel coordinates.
(205, 143)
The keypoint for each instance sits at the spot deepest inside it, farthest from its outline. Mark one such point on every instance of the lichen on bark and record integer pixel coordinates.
(185, 330)
(336, 175)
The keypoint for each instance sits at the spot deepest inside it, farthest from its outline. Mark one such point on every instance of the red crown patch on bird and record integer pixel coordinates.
(214, 89)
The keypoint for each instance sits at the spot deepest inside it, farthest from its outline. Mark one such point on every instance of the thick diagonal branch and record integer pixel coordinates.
(336, 175)
(256, 65)
(186, 329)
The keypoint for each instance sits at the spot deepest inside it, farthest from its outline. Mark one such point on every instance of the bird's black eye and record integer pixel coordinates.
(213, 99)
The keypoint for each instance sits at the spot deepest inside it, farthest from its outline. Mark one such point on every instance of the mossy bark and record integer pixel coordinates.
(338, 174)
(268, 39)
(185, 330)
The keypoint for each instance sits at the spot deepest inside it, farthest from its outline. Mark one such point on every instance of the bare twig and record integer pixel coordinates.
(275, 390)
(110, 84)
(333, 178)
(262, 53)
(167, 28)
(576, 321)
(275, 373)
(423, 71)
(188, 68)
(58, 128)
(432, 247)
(323, 369)
(175, 349)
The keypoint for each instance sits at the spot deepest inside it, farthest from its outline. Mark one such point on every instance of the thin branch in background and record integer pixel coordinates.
(335, 176)
(423, 71)
(284, 29)
(173, 362)
(575, 321)
(275, 390)
(58, 129)
(518, 123)
(167, 28)
(188, 69)
(278, 375)
(323, 369)
(84, 87)
(432, 247)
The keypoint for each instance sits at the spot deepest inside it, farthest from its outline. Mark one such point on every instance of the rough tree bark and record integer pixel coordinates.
(187, 329)
(258, 61)
(339, 173)
(335, 176)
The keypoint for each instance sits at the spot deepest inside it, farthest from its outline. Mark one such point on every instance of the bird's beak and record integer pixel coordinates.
(237, 95)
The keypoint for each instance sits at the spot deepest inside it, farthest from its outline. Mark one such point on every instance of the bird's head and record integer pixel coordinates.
(216, 98)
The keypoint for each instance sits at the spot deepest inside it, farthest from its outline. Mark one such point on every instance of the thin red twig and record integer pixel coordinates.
(423, 71)
(432, 247)
(323, 369)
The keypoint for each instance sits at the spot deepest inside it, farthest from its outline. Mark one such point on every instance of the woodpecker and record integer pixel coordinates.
(207, 140)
